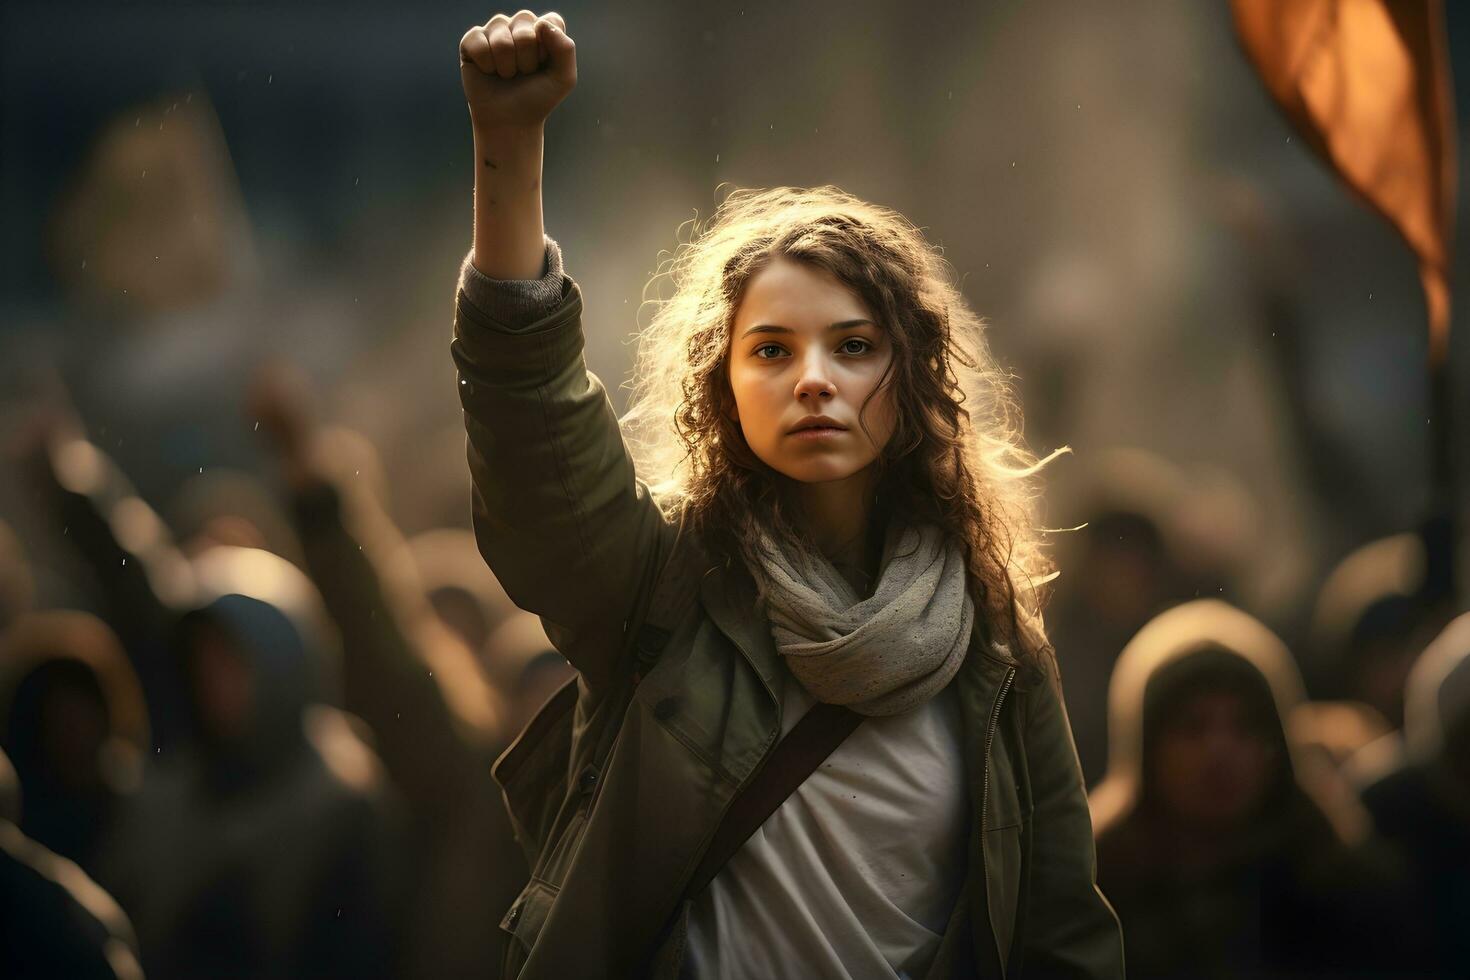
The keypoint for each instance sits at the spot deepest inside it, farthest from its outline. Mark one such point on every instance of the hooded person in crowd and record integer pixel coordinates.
(1212, 843)
(54, 920)
(1371, 619)
(142, 581)
(529, 668)
(511, 644)
(1422, 803)
(439, 720)
(139, 563)
(267, 850)
(1120, 568)
(461, 589)
(73, 722)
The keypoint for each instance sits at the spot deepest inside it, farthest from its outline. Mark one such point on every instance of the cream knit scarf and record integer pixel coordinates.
(883, 654)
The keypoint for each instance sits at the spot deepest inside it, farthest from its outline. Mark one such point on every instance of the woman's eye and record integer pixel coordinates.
(862, 348)
(766, 347)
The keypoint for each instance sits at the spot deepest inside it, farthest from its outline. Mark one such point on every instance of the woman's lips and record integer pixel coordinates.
(817, 432)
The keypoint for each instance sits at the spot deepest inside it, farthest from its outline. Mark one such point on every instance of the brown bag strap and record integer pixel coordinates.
(794, 758)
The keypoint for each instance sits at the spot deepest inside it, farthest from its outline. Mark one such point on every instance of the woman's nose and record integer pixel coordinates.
(815, 382)
(814, 387)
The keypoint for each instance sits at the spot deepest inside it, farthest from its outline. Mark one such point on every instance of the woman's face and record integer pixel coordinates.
(805, 346)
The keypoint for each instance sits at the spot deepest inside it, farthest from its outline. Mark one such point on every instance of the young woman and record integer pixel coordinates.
(828, 504)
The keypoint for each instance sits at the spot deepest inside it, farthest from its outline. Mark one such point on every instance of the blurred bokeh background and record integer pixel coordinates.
(188, 188)
(1233, 347)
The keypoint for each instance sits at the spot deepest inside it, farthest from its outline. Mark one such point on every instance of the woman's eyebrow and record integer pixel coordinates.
(839, 325)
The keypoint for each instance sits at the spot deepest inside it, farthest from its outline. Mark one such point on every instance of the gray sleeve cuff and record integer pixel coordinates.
(515, 302)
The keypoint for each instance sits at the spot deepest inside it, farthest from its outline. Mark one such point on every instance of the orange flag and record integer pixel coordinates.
(1368, 83)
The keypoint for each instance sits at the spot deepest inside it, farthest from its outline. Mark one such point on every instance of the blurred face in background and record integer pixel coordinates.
(1213, 761)
(803, 345)
(222, 685)
(1125, 572)
(74, 726)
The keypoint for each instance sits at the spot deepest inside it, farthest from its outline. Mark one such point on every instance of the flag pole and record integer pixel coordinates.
(1328, 66)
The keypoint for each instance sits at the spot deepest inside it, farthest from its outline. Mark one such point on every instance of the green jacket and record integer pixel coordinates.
(617, 786)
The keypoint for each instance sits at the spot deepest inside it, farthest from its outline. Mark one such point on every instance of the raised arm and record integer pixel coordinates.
(144, 582)
(558, 512)
(422, 692)
(515, 70)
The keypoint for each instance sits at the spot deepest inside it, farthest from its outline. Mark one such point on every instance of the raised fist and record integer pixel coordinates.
(516, 69)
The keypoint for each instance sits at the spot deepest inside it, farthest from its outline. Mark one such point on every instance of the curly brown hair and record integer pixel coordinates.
(955, 458)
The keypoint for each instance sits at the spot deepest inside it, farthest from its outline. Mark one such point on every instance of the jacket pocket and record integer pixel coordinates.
(533, 771)
(1003, 884)
(524, 919)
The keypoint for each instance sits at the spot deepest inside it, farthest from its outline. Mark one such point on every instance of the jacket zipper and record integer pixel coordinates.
(989, 739)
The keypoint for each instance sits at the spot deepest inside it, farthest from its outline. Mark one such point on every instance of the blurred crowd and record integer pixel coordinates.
(266, 750)
(1263, 808)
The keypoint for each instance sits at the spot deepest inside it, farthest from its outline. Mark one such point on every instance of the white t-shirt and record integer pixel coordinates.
(857, 872)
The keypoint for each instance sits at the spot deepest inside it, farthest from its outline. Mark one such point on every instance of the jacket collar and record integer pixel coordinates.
(729, 596)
